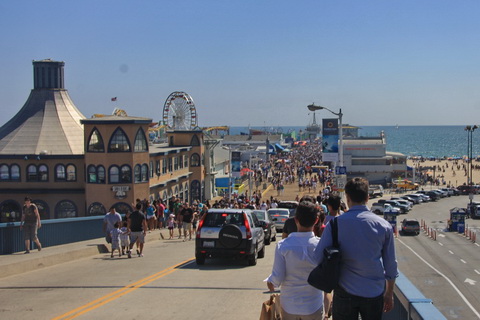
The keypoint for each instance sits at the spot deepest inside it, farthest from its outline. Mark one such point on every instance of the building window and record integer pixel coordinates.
(157, 167)
(194, 141)
(65, 209)
(195, 160)
(101, 174)
(43, 209)
(126, 176)
(144, 172)
(92, 174)
(95, 142)
(114, 174)
(175, 163)
(180, 195)
(96, 209)
(151, 169)
(119, 142)
(140, 142)
(122, 207)
(71, 172)
(32, 174)
(180, 162)
(186, 192)
(170, 167)
(15, 172)
(60, 174)
(195, 190)
(164, 165)
(4, 172)
(10, 211)
(185, 159)
(137, 173)
(43, 173)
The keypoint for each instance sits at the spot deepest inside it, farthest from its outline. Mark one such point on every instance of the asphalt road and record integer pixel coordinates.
(446, 270)
(167, 284)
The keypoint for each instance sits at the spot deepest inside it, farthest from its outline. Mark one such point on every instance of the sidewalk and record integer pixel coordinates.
(18, 262)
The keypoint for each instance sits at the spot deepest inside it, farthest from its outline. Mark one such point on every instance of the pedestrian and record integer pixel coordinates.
(137, 226)
(293, 261)
(124, 237)
(369, 266)
(171, 225)
(115, 234)
(333, 205)
(30, 223)
(160, 214)
(151, 218)
(109, 222)
(187, 219)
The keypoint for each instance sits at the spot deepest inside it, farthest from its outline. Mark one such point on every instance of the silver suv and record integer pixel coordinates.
(229, 233)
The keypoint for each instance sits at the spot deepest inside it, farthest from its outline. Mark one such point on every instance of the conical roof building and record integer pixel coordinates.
(49, 122)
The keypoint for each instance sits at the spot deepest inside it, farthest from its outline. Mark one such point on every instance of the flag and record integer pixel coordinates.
(114, 99)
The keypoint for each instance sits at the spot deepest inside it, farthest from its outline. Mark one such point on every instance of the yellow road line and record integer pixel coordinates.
(118, 293)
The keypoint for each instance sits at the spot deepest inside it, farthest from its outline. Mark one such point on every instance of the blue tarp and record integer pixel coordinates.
(279, 147)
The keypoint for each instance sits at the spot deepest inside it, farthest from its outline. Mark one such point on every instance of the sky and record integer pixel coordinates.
(252, 62)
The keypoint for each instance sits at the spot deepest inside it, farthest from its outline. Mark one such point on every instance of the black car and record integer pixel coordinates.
(229, 233)
(268, 225)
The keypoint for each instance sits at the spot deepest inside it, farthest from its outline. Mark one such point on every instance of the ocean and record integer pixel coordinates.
(425, 141)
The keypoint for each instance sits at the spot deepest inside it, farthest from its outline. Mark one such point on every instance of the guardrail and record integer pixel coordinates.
(52, 233)
(410, 303)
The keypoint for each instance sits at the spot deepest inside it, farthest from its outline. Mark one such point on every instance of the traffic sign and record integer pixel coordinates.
(340, 170)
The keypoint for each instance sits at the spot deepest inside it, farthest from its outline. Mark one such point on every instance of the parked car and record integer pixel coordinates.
(403, 208)
(448, 191)
(229, 233)
(411, 199)
(268, 225)
(406, 203)
(415, 197)
(424, 197)
(380, 208)
(375, 190)
(279, 216)
(290, 205)
(410, 226)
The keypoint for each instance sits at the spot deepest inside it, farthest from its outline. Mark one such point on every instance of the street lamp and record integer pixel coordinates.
(313, 107)
(470, 130)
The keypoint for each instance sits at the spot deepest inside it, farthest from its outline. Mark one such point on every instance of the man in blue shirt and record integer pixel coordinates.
(369, 266)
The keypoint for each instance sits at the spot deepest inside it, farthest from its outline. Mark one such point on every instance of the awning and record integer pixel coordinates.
(279, 147)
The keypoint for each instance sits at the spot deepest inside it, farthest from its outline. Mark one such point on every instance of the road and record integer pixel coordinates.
(446, 270)
(167, 284)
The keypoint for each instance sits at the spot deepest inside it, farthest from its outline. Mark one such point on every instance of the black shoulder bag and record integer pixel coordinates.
(327, 274)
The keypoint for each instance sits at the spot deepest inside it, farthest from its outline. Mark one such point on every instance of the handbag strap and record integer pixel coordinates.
(335, 233)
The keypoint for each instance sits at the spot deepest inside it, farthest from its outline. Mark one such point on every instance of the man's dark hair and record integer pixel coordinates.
(28, 199)
(306, 214)
(138, 206)
(308, 199)
(357, 190)
(334, 202)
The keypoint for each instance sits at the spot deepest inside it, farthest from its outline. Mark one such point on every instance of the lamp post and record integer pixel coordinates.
(339, 114)
(470, 130)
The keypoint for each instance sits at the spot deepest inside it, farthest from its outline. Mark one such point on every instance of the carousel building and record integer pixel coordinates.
(72, 166)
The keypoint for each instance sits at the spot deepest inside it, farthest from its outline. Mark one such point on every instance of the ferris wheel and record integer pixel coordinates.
(179, 111)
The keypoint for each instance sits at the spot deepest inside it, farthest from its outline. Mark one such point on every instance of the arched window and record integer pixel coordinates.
(95, 142)
(164, 196)
(101, 174)
(195, 190)
(10, 211)
(43, 209)
(15, 172)
(176, 191)
(65, 209)
(122, 207)
(42, 173)
(141, 144)
(119, 142)
(92, 174)
(194, 141)
(96, 209)
(195, 160)
(114, 174)
(32, 174)
(60, 173)
(71, 172)
(4, 172)
(137, 173)
(144, 172)
(126, 176)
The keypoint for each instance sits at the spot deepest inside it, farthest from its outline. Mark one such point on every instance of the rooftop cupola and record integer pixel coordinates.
(48, 74)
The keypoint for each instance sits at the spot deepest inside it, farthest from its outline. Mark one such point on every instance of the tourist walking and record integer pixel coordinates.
(137, 226)
(109, 221)
(293, 261)
(369, 266)
(30, 223)
(115, 234)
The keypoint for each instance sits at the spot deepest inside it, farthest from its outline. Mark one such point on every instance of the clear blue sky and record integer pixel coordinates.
(256, 62)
